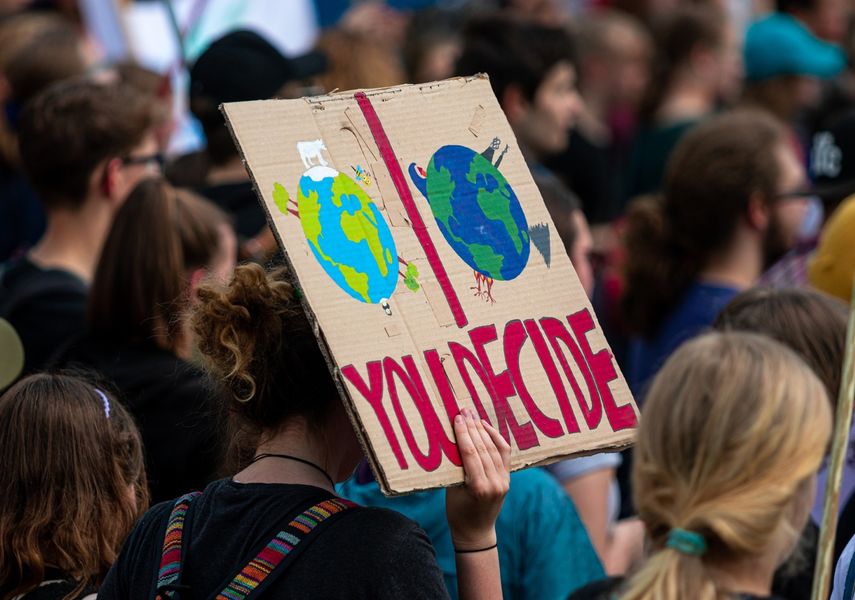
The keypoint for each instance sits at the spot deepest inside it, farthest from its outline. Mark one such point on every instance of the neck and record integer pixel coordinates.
(73, 239)
(687, 99)
(739, 265)
(296, 439)
(753, 576)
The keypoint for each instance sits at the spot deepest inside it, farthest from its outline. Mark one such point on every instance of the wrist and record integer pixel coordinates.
(470, 543)
(477, 550)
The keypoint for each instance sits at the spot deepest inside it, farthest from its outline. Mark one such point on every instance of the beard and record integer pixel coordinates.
(775, 242)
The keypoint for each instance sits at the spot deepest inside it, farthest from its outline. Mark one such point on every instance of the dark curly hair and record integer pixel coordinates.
(261, 348)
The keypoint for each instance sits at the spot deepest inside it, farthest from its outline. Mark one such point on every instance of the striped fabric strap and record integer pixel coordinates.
(260, 567)
(170, 558)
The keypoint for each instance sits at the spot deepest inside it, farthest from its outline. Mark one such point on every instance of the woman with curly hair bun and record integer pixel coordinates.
(293, 441)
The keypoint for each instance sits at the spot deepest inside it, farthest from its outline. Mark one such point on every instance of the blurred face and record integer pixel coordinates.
(629, 67)
(545, 124)
(789, 209)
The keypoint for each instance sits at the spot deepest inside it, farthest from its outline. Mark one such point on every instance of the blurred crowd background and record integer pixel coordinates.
(687, 150)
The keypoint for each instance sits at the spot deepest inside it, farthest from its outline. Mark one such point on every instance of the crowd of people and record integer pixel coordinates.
(169, 426)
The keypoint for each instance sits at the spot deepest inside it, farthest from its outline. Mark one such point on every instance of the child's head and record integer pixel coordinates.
(733, 430)
(73, 481)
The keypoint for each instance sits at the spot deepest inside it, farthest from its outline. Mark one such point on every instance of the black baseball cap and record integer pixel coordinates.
(832, 160)
(242, 65)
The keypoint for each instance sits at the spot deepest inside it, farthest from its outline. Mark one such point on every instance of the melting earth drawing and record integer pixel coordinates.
(348, 235)
(477, 212)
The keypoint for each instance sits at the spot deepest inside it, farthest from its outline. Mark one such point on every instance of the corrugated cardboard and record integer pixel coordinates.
(428, 304)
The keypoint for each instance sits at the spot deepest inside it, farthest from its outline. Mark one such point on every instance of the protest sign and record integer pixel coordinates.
(434, 274)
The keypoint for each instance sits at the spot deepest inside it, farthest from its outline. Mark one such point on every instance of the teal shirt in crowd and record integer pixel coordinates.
(544, 550)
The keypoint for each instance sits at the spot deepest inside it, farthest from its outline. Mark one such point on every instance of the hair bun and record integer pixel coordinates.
(239, 326)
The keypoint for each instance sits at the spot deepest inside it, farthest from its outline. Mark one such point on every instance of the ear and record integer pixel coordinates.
(110, 178)
(515, 104)
(758, 213)
(196, 277)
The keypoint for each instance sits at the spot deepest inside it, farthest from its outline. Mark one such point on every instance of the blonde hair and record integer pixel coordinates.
(733, 425)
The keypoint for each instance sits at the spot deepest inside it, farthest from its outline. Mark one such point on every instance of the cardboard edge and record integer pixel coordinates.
(347, 400)
(617, 446)
(345, 95)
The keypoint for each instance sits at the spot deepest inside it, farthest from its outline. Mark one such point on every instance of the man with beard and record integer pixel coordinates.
(730, 207)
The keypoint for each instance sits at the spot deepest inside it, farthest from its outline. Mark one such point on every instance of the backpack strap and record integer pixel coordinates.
(169, 575)
(275, 557)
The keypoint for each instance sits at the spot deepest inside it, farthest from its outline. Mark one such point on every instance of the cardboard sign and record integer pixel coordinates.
(435, 276)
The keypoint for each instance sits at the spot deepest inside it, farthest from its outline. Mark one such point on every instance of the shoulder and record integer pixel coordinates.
(383, 523)
(571, 468)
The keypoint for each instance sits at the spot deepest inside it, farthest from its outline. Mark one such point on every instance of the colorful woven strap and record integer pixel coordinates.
(170, 558)
(260, 567)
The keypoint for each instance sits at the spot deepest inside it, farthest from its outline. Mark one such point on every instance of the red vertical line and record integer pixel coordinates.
(391, 161)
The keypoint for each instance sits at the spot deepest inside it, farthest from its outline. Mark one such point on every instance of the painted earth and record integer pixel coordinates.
(476, 210)
(347, 234)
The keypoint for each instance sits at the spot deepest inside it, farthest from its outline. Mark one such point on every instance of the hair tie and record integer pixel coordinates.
(686, 542)
(105, 400)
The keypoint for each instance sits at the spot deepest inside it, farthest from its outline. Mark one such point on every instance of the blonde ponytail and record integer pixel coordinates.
(733, 425)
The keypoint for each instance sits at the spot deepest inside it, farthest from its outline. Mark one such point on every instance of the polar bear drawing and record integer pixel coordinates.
(311, 151)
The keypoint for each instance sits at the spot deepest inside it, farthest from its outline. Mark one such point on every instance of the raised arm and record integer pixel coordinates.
(472, 508)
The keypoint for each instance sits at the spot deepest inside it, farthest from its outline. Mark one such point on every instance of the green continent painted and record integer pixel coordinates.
(361, 225)
(486, 259)
(440, 186)
(309, 208)
(356, 280)
(495, 205)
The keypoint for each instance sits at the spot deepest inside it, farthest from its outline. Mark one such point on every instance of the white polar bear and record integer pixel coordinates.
(311, 151)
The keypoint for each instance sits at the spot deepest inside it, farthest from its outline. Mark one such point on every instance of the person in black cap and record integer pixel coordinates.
(239, 66)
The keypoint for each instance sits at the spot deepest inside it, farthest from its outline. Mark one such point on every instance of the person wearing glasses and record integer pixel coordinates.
(83, 145)
(728, 210)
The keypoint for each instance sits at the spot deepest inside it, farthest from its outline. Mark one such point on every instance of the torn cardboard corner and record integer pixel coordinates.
(435, 283)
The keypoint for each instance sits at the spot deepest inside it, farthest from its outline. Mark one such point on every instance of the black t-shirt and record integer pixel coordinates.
(47, 307)
(173, 403)
(366, 553)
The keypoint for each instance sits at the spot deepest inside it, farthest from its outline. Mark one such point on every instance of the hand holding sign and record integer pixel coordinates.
(472, 509)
